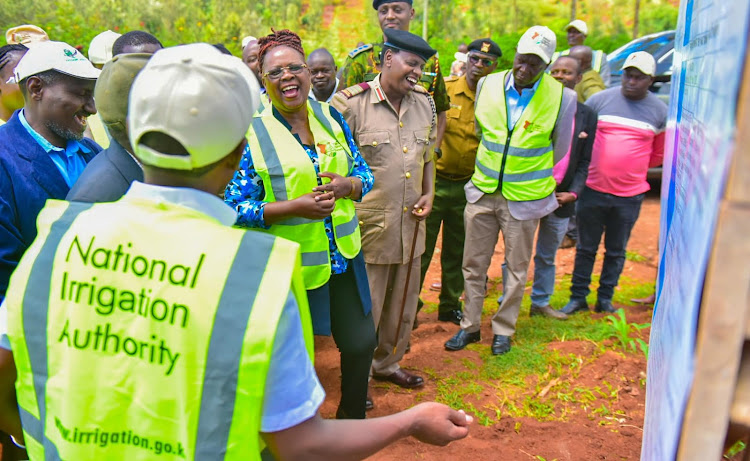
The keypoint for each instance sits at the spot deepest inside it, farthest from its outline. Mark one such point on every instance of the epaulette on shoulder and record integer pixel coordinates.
(451, 78)
(355, 89)
(420, 89)
(359, 50)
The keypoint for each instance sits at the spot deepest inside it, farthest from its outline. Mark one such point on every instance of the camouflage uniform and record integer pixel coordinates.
(363, 64)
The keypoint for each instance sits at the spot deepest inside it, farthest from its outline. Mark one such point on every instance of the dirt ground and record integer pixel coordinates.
(578, 436)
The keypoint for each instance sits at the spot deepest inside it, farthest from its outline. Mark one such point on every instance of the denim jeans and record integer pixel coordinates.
(599, 213)
(552, 229)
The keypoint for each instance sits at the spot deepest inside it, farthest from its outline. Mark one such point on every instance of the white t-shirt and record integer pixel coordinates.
(293, 392)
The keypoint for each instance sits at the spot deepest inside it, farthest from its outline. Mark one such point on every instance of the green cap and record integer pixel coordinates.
(113, 87)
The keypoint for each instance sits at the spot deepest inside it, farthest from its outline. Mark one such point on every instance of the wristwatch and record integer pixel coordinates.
(438, 152)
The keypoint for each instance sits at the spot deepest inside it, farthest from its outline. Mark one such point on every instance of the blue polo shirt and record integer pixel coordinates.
(69, 161)
(517, 102)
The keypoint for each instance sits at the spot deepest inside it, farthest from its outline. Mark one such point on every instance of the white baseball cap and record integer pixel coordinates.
(195, 94)
(57, 56)
(100, 48)
(247, 40)
(578, 25)
(642, 61)
(538, 40)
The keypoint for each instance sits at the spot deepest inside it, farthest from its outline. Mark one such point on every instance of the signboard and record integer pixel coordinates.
(708, 65)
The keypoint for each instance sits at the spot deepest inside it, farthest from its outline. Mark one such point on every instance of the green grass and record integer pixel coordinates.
(635, 257)
(736, 448)
(533, 380)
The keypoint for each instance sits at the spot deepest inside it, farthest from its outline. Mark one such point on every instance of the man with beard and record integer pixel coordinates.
(42, 148)
(525, 121)
(323, 75)
(392, 119)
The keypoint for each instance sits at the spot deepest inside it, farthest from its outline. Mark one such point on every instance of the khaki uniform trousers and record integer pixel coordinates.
(387, 290)
(484, 220)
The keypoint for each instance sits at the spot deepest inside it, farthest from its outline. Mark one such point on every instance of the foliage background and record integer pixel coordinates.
(338, 24)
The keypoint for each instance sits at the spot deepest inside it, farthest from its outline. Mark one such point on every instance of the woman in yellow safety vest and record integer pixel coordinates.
(297, 180)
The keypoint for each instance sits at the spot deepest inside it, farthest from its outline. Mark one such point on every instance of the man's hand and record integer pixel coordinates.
(339, 185)
(423, 207)
(563, 198)
(315, 205)
(438, 424)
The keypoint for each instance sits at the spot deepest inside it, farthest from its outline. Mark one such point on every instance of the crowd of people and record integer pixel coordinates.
(219, 212)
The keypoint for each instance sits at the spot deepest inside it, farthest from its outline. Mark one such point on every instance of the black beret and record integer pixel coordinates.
(403, 40)
(376, 3)
(487, 46)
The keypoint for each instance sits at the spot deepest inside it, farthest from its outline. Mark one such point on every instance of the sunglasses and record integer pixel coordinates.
(476, 60)
(276, 73)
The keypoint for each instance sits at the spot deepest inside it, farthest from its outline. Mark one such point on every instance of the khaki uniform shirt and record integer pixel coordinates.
(590, 84)
(363, 64)
(396, 147)
(460, 141)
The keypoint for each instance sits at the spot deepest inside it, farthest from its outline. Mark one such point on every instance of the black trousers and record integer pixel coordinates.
(354, 334)
(599, 213)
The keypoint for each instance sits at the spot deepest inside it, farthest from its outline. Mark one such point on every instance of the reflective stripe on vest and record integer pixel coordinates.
(230, 358)
(288, 173)
(523, 156)
(35, 311)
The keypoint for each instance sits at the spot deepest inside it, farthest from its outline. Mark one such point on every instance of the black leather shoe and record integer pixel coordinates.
(574, 306)
(402, 378)
(604, 305)
(453, 316)
(369, 405)
(461, 340)
(500, 344)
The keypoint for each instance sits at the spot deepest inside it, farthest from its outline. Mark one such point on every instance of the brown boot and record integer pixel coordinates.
(546, 311)
(646, 300)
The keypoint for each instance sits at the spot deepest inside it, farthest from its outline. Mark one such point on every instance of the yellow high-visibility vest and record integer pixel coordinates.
(134, 341)
(597, 58)
(288, 173)
(524, 156)
(97, 129)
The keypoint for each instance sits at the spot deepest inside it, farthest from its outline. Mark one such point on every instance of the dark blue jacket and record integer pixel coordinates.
(28, 177)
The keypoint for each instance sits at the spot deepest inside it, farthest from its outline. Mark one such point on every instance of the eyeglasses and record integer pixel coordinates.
(276, 73)
(476, 60)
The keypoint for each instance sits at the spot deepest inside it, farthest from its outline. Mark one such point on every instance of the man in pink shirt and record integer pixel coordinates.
(629, 140)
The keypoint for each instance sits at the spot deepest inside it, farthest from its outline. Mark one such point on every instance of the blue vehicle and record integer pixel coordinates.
(661, 47)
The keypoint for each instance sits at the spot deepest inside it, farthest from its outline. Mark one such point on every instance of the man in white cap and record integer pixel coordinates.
(217, 351)
(577, 32)
(629, 141)
(42, 148)
(100, 51)
(100, 48)
(524, 119)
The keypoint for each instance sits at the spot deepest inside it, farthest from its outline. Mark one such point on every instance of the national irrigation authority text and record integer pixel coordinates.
(124, 437)
(106, 300)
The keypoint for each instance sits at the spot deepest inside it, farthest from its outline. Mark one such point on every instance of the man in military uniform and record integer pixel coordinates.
(364, 62)
(392, 119)
(454, 168)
